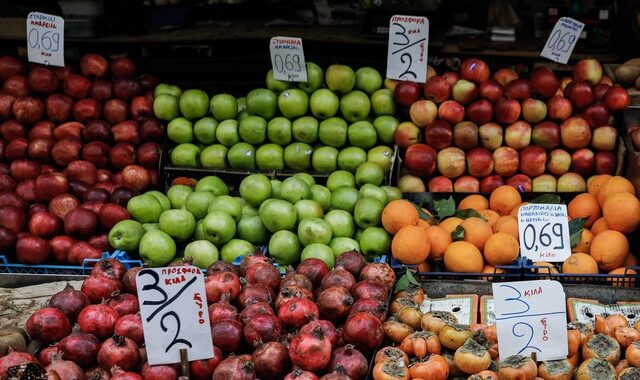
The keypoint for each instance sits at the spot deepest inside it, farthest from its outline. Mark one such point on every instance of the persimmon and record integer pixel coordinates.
(412, 292)
(602, 346)
(453, 335)
(631, 373)
(626, 335)
(518, 367)
(411, 316)
(622, 365)
(586, 331)
(390, 370)
(435, 367)
(421, 344)
(396, 331)
(401, 302)
(632, 354)
(471, 357)
(484, 375)
(391, 354)
(595, 369)
(556, 370)
(434, 321)
(573, 342)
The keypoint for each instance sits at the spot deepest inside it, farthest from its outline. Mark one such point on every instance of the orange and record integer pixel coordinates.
(609, 249)
(439, 238)
(397, 214)
(501, 249)
(612, 186)
(507, 224)
(424, 266)
(584, 205)
(503, 199)
(476, 231)
(584, 245)
(631, 260)
(491, 269)
(599, 226)
(625, 282)
(474, 201)
(463, 257)
(622, 212)
(516, 209)
(423, 223)
(593, 185)
(545, 267)
(491, 216)
(410, 245)
(451, 223)
(580, 263)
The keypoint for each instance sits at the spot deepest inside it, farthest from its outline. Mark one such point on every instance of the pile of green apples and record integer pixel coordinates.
(339, 119)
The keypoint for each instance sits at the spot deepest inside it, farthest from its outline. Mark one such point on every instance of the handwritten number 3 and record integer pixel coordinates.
(154, 286)
(175, 340)
(517, 299)
(402, 34)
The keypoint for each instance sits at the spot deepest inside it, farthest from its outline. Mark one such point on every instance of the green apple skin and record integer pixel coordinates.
(126, 235)
(307, 209)
(351, 158)
(249, 211)
(241, 201)
(382, 102)
(367, 212)
(358, 234)
(374, 241)
(236, 248)
(213, 184)
(306, 177)
(166, 107)
(262, 102)
(341, 245)
(198, 232)
(321, 195)
(314, 230)
(227, 204)
(151, 227)
(293, 103)
(178, 194)
(185, 155)
(197, 203)
(270, 157)
(362, 134)
(253, 129)
(157, 248)
(194, 104)
(242, 115)
(386, 126)
(340, 178)
(284, 247)
(368, 80)
(392, 192)
(255, 189)
(165, 88)
(252, 230)
(219, 227)
(227, 133)
(276, 186)
(382, 156)
(214, 156)
(164, 201)
(205, 130)
(333, 132)
(340, 78)
(294, 189)
(144, 208)
(180, 130)
(297, 156)
(242, 104)
(242, 156)
(319, 251)
(355, 106)
(325, 159)
(369, 172)
(279, 130)
(315, 78)
(345, 198)
(179, 224)
(372, 191)
(276, 85)
(305, 129)
(223, 106)
(341, 223)
(324, 103)
(277, 215)
(203, 253)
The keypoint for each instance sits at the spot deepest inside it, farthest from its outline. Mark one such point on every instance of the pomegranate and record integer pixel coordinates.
(81, 348)
(364, 331)
(99, 320)
(13, 359)
(299, 374)
(70, 302)
(124, 303)
(297, 312)
(337, 374)
(290, 292)
(66, 369)
(262, 328)
(159, 372)
(263, 273)
(369, 289)
(314, 269)
(381, 273)
(338, 276)
(252, 260)
(374, 307)
(353, 261)
(221, 283)
(203, 369)
(130, 325)
(236, 368)
(110, 268)
(129, 280)
(98, 288)
(353, 363)
(255, 309)
(221, 266)
(97, 373)
(222, 310)
(118, 373)
(253, 293)
(271, 361)
(45, 357)
(296, 279)
(328, 330)
(334, 303)
(310, 351)
(227, 335)
(118, 350)
(47, 325)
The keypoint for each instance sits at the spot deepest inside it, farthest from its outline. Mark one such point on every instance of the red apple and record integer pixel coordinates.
(93, 65)
(42, 80)
(12, 199)
(154, 177)
(63, 72)
(121, 195)
(420, 160)
(81, 170)
(505, 75)
(149, 154)
(34, 208)
(604, 138)
(438, 134)
(12, 130)
(61, 204)
(490, 183)
(97, 130)
(406, 134)
(100, 243)
(66, 151)
(42, 130)
(151, 130)
(519, 89)
(606, 163)
(440, 184)
(93, 206)
(60, 246)
(117, 178)
(141, 107)
(82, 251)
(474, 70)
(24, 169)
(127, 131)
(423, 112)
(28, 110)
(451, 77)
(48, 169)
(103, 175)
(58, 107)
(87, 109)
(479, 162)
(16, 85)
(599, 90)
(437, 89)
(127, 89)
(505, 161)
(32, 250)
(579, 93)
(596, 114)
(605, 80)
(544, 82)
(6, 106)
(97, 194)
(7, 239)
(26, 190)
(123, 67)
(10, 65)
(534, 110)
(451, 111)
(16, 149)
(115, 111)
(76, 86)
(80, 222)
(616, 99)
(520, 182)
(546, 134)
(518, 135)
(480, 111)
(451, 162)
(78, 188)
(148, 81)
(564, 82)
(464, 91)
(575, 133)
(101, 90)
(559, 162)
(559, 108)
(589, 70)
(110, 214)
(583, 162)
(466, 184)
(47, 186)
(13, 218)
(44, 224)
(507, 110)
(491, 90)
(123, 154)
(135, 177)
(406, 93)
(7, 183)
(533, 160)
(97, 153)
(70, 130)
(3, 146)
(465, 135)
(106, 185)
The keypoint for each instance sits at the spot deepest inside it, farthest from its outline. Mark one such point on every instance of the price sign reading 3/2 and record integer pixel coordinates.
(531, 318)
(562, 40)
(45, 39)
(408, 48)
(544, 232)
(287, 59)
(173, 306)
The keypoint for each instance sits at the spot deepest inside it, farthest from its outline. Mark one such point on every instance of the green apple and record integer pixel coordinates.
(242, 115)
(351, 158)
(319, 251)
(252, 230)
(277, 214)
(333, 132)
(293, 189)
(382, 156)
(285, 247)
(151, 227)
(214, 157)
(315, 78)
(368, 80)
(223, 106)
(367, 212)
(325, 159)
(241, 201)
(374, 241)
(297, 156)
(178, 194)
(314, 230)
(179, 224)
(180, 130)
(194, 104)
(382, 102)
(262, 102)
(341, 223)
(156, 248)
(306, 177)
(358, 234)
(126, 235)
(236, 248)
(185, 155)
(340, 78)
(165, 88)
(213, 184)
(340, 178)
(219, 227)
(305, 129)
(166, 107)
(369, 172)
(341, 245)
(275, 84)
(324, 103)
(386, 126)
(242, 156)
(307, 208)
(242, 104)
(205, 130)
(345, 198)
(255, 189)
(373, 191)
(164, 201)
(279, 130)
(321, 195)
(203, 253)
(392, 192)
(198, 232)
(276, 185)
(362, 134)
(293, 103)
(144, 208)
(197, 203)
(253, 129)
(355, 106)
(227, 204)
(227, 133)
(249, 211)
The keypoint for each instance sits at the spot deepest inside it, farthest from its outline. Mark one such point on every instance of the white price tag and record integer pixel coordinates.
(544, 232)
(287, 59)
(173, 306)
(45, 39)
(562, 40)
(408, 48)
(531, 318)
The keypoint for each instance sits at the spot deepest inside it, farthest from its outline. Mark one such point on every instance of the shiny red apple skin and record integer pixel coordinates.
(420, 159)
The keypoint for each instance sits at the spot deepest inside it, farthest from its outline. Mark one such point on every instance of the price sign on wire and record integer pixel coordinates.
(287, 59)
(562, 40)
(45, 39)
(408, 48)
(173, 306)
(544, 232)
(531, 318)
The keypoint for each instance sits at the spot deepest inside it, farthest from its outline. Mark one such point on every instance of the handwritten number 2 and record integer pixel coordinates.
(528, 331)
(175, 340)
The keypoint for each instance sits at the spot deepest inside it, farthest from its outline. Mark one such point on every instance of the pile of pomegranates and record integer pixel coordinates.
(75, 145)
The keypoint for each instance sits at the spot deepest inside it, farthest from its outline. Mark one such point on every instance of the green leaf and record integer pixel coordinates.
(412, 279)
(445, 207)
(423, 215)
(458, 233)
(575, 230)
(469, 213)
(547, 198)
(405, 280)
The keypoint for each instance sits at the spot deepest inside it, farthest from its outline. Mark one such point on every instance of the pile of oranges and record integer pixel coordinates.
(610, 208)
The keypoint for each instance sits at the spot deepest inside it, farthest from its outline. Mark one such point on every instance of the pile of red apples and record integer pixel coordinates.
(75, 145)
(471, 131)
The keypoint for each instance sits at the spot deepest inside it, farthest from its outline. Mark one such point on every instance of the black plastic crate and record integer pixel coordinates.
(531, 271)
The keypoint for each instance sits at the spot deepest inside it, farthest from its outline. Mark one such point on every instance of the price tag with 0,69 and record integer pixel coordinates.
(408, 48)
(45, 39)
(544, 232)
(287, 59)
(562, 40)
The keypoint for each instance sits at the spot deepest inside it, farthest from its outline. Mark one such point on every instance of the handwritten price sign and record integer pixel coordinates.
(287, 59)
(531, 318)
(45, 39)
(173, 306)
(544, 232)
(562, 40)
(408, 48)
